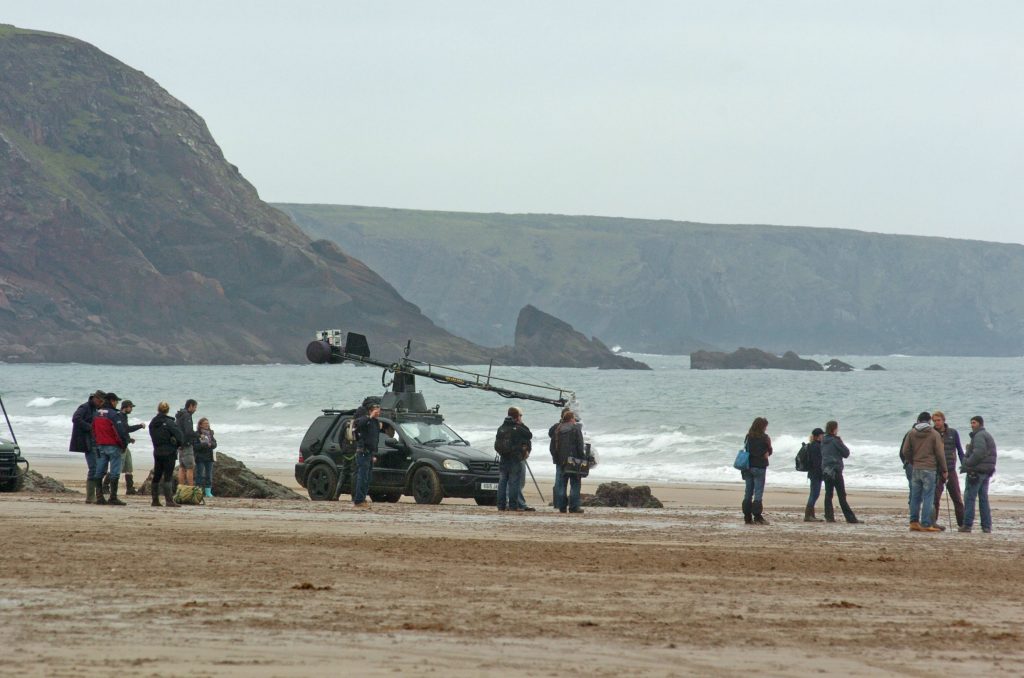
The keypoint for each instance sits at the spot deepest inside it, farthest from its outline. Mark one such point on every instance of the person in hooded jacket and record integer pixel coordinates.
(979, 465)
(833, 451)
(110, 429)
(167, 438)
(926, 456)
(759, 445)
(82, 439)
(813, 474)
(567, 442)
(512, 466)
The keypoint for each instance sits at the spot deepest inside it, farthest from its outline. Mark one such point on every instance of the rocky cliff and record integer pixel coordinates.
(675, 287)
(126, 237)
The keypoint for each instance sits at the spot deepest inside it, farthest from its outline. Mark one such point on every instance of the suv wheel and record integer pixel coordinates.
(426, 486)
(321, 483)
(487, 501)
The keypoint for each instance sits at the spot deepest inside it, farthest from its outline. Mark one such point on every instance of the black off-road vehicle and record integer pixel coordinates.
(12, 477)
(419, 455)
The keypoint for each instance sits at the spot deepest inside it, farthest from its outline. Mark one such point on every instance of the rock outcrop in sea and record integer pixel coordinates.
(751, 359)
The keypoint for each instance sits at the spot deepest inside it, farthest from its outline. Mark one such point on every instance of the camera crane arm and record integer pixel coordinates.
(329, 349)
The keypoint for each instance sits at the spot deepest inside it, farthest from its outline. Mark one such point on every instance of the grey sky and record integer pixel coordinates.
(902, 117)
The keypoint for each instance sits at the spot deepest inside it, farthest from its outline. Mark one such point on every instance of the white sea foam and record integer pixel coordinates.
(246, 404)
(43, 401)
(279, 405)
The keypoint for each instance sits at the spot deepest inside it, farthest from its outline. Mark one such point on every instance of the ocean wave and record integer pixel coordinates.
(43, 401)
(258, 428)
(279, 405)
(245, 404)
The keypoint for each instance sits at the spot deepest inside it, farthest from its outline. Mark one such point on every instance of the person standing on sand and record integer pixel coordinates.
(186, 454)
(82, 439)
(367, 429)
(512, 466)
(567, 442)
(127, 467)
(759, 445)
(203, 448)
(167, 439)
(833, 451)
(813, 474)
(924, 452)
(951, 444)
(110, 428)
(979, 465)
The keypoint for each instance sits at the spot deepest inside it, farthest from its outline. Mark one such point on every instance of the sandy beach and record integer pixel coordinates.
(295, 588)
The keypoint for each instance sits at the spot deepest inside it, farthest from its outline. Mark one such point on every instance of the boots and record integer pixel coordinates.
(748, 517)
(90, 491)
(758, 509)
(114, 483)
(154, 490)
(830, 513)
(169, 495)
(809, 516)
(208, 492)
(98, 484)
(106, 483)
(129, 484)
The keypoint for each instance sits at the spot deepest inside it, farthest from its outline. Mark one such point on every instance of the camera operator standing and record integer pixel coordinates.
(367, 442)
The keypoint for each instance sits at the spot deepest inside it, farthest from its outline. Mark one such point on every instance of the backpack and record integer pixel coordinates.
(503, 442)
(803, 463)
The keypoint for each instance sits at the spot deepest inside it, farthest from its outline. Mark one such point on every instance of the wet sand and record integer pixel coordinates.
(294, 588)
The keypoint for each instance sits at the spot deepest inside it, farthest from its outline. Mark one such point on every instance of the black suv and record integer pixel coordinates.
(419, 455)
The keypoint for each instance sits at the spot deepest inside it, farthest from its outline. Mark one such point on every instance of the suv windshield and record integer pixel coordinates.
(430, 434)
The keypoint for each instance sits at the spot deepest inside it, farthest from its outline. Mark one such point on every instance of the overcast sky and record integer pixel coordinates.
(900, 117)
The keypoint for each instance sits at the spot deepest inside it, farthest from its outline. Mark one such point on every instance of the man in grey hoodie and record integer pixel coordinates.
(926, 456)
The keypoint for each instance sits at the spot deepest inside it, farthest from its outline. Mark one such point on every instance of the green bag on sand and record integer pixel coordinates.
(189, 494)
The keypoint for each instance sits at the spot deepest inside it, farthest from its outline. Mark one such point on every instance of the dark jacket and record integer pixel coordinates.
(760, 449)
(952, 447)
(814, 459)
(981, 454)
(165, 434)
(923, 450)
(204, 446)
(367, 430)
(520, 438)
(566, 441)
(110, 427)
(833, 451)
(183, 419)
(81, 427)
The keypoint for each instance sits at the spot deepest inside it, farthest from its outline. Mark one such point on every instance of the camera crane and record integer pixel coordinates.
(330, 348)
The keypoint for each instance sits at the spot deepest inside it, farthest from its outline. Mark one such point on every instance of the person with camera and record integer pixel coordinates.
(979, 465)
(568, 450)
(926, 456)
(833, 451)
(512, 443)
(367, 430)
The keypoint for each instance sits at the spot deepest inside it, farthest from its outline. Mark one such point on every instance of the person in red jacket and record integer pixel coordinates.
(110, 429)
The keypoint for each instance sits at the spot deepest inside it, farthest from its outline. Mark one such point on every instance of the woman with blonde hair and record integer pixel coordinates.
(167, 438)
(203, 447)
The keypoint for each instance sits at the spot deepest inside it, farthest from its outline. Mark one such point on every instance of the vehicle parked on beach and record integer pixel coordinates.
(425, 458)
(12, 478)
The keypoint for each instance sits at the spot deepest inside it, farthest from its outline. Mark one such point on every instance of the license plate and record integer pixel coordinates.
(489, 486)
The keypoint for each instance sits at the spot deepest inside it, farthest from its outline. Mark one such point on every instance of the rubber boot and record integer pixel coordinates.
(154, 490)
(748, 517)
(98, 484)
(830, 513)
(208, 492)
(129, 484)
(758, 510)
(169, 495)
(809, 516)
(106, 483)
(90, 491)
(114, 483)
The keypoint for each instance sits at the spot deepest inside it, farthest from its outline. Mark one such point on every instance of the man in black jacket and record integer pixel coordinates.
(367, 441)
(186, 455)
(814, 474)
(82, 439)
(512, 443)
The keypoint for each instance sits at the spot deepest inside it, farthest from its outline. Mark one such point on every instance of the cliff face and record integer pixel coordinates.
(674, 287)
(126, 237)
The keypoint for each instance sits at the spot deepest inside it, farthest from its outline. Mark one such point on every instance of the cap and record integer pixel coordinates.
(112, 397)
(99, 394)
(127, 403)
(817, 432)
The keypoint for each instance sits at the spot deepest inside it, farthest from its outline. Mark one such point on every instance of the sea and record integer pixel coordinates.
(669, 424)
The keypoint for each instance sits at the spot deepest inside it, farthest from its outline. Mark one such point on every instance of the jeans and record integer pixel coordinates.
(510, 485)
(364, 466)
(978, 487)
(922, 496)
(952, 484)
(812, 497)
(834, 482)
(108, 456)
(754, 478)
(90, 460)
(204, 473)
(574, 482)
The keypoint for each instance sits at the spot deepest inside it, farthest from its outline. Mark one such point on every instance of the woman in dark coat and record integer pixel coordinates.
(813, 474)
(167, 438)
(759, 445)
(833, 451)
(566, 443)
